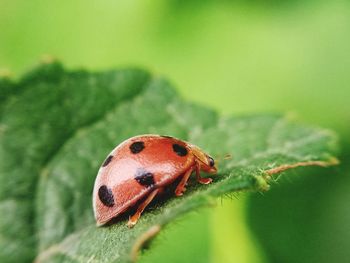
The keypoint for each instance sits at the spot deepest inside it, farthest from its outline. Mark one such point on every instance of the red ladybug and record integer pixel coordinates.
(140, 168)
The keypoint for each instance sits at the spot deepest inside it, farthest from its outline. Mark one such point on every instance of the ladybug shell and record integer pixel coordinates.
(135, 168)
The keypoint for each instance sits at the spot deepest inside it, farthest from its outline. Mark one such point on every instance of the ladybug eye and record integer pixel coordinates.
(211, 161)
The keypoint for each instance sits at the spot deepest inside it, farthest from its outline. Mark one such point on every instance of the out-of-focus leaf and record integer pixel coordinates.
(318, 226)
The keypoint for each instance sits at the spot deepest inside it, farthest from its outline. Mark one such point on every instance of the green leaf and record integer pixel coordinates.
(57, 130)
(49, 107)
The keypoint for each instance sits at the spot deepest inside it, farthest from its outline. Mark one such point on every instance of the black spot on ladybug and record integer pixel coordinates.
(137, 147)
(144, 178)
(106, 196)
(179, 150)
(211, 161)
(107, 161)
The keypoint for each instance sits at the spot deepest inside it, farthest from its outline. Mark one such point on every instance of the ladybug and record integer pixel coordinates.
(140, 168)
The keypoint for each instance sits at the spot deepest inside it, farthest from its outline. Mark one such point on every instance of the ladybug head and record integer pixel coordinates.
(206, 162)
(208, 165)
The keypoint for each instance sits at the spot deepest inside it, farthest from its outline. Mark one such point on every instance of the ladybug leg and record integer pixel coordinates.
(133, 219)
(200, 179)
(181, 186)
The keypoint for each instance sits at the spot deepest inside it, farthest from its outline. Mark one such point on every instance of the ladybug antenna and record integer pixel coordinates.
(220, 158)
(227, 156)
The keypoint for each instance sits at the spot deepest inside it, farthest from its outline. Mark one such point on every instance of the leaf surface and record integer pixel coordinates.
(57, 130)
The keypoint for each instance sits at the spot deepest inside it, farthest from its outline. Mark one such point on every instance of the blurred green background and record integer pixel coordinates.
(237, 57)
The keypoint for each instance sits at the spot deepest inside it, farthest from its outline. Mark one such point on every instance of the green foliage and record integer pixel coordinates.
(318, 226)
(59, 126)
